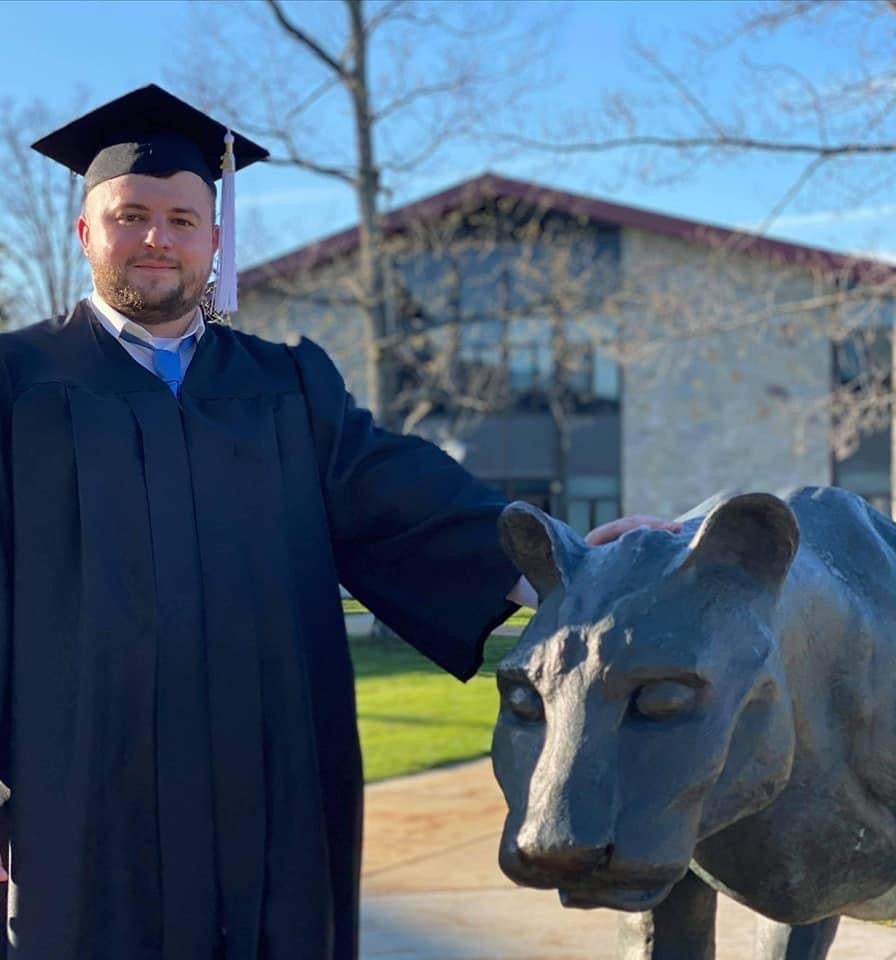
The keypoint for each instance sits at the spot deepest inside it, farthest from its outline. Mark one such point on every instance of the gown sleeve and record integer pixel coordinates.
(414, 534)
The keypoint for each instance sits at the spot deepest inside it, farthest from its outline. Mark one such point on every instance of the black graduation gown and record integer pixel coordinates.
(178, 710)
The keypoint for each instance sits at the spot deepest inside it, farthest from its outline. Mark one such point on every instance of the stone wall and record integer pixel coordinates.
(727, 390)
(315, 307)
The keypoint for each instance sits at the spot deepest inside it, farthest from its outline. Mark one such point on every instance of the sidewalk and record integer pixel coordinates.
(360, 624)
(432, 889)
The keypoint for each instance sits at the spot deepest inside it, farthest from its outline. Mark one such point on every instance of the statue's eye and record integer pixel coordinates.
(664, 698)
(523, 700)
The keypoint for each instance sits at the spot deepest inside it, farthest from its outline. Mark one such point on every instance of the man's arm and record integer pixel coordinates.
(414, 535)
(524, 593)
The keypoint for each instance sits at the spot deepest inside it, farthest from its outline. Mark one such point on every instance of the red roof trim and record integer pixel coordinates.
(489, 185)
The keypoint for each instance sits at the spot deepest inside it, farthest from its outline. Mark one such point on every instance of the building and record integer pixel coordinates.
(595, 358)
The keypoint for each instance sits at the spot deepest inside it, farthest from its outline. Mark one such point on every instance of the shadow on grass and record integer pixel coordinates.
(418, 721)
(387, 658)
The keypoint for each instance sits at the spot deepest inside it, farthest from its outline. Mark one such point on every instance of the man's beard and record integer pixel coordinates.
(148, 309)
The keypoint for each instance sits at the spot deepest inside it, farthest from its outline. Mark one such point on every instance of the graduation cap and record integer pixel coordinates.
(150, 131)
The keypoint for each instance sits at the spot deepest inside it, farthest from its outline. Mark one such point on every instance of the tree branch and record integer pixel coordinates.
(420, 93)
(322, 169)
(723, 142)
(385, 13)
(807, 173)
(321, 90)
(768, 20)
(431, 19)
(673, 78)
(299, 35)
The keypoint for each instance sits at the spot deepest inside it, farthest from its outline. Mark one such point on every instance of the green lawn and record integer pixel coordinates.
(519, 619)
(413, 716)
(353, 606)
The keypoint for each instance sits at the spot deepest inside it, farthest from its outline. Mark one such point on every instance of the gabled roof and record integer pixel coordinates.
(490, 186)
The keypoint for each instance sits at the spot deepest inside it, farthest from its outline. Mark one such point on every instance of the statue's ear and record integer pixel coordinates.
(544, 550)
(756, 532)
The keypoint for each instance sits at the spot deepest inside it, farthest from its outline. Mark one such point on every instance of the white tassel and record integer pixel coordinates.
(225, 300)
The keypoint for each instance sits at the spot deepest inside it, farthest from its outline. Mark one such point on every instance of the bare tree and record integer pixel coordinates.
(352, 101)
(42, 269)
(661, 320)
(829, 124)
(498, 311)
(6, 297)
(834, 123)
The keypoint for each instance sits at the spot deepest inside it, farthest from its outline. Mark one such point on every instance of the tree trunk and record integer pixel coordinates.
(893, 422)
(379, 353)
(561, 416)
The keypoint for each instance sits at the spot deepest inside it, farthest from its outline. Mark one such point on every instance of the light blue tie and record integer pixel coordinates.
(166, 362)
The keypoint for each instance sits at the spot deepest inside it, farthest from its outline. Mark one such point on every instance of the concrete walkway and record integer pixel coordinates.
(360, 624)
(432, 889)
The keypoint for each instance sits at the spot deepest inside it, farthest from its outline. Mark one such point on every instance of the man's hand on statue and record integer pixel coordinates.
(524, 593)
(607, 532)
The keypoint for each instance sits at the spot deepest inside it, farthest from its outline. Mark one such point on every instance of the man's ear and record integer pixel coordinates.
(82, 228)
(216, 237)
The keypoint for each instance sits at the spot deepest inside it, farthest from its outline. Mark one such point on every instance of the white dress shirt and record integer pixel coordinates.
(114, 322)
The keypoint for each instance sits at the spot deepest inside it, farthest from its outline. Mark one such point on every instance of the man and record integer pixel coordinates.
(178, 502)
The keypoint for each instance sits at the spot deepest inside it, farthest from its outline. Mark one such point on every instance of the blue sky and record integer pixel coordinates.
(75, 54)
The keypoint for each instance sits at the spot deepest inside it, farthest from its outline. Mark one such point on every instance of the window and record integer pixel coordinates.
(481, 277)
(591, 502)
(604, 376)
(423, 291)
(862, 374)
(481, 342)
(865, 354)
(867, 472)
(585, 515)
(591, 374)
(534, 491)
(529, 366)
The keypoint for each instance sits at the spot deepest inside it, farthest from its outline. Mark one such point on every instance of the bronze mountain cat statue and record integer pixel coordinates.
(712, 710)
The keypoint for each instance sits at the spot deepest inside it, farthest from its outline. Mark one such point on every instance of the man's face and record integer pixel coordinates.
(150, 242)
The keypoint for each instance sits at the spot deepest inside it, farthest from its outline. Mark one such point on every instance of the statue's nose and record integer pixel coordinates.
(561, 853)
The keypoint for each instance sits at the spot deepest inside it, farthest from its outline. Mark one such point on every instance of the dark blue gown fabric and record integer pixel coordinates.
(178, 722)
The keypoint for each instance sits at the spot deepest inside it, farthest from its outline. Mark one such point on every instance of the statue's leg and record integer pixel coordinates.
(778, 941)
(682, 927)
